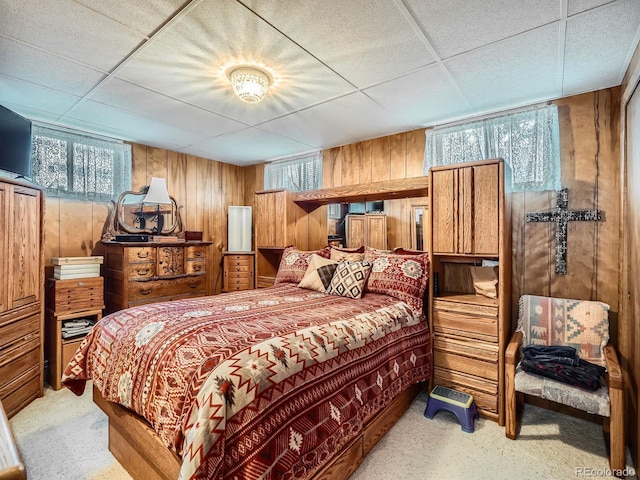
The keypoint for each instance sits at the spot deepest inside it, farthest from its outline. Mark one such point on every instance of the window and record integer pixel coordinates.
(300, 173)
(75, 165)
(529, 141)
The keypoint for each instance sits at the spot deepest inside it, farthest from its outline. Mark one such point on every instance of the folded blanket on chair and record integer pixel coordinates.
(562, 364)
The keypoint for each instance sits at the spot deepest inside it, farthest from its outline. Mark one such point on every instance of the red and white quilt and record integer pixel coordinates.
(265, 383)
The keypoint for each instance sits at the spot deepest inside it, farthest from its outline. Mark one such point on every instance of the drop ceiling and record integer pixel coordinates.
(153, 72)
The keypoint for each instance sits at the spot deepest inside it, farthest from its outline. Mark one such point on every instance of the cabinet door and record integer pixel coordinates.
(4, 247)
(271, 219)
(444, 200)
(376, 231)
(24, 247)
(170, 261)
(356, 227)
(486, 211)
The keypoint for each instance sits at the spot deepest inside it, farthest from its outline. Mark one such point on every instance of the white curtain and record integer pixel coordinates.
(529, 141)
(76, 165)
(299, 173)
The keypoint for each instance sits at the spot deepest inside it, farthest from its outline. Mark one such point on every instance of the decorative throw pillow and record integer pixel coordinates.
(340, 254)
(349, 279)
(376, 250)
(404, 277)
(295, 262)
(319, 273)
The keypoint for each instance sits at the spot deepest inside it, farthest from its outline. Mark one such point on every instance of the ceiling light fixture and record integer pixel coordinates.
(250, 84)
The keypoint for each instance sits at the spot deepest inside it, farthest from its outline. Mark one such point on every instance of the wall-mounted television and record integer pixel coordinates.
(15, 143)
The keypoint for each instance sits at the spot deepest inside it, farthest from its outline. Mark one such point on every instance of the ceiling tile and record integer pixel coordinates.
(136, 128)
(193, 68)
(365, 41)
(138, 100)
(144, 17)
(593, 57)
(39, 67)
(247, 146)
(457, 26)
(42, 103)
(510, 73)
(344, 120)
(577, 6)
(70, 30)
(434, 97)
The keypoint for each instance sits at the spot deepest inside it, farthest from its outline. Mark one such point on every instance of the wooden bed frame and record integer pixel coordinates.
(139, 450)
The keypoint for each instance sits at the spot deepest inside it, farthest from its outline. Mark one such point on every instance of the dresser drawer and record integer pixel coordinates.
(75, 294)
(196, 266)
(233, 260)
(23, 329)
(155, 289)
(141, 270)
(19, 392)
(21, 357)
(474, 358)
(140, 254)
(484, 392)
(454, 322)
(197, 251)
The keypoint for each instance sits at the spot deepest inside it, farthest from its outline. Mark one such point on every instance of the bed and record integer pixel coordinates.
(274, 383)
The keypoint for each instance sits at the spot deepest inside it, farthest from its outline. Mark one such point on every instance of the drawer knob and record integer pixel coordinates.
(143, 254)
(193, 285)
(143, 271)
(197, 268)
(197, 253)
(145, 291)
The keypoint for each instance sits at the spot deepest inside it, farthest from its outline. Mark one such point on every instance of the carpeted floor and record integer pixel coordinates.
(64, 437)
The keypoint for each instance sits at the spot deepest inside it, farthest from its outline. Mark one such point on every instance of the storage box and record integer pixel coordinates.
(76, 260)
(193, 235)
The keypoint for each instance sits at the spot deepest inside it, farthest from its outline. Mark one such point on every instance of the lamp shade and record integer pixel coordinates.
(249, 84)
(157, 193)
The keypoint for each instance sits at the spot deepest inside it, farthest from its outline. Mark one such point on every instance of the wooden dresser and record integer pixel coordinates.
(21, 288)
(136, 273)
(470, 224)
(237, 271)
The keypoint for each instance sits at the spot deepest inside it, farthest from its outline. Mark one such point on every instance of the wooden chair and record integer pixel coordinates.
(583, 325)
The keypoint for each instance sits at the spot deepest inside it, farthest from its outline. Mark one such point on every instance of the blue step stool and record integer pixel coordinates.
(459, 403)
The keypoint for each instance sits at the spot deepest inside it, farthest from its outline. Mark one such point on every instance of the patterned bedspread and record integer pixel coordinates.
(264, 383)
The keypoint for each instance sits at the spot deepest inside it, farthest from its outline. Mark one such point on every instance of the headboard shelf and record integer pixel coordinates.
(385, 190)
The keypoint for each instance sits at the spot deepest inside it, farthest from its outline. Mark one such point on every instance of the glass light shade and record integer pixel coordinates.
(249, 84)
(157, 193)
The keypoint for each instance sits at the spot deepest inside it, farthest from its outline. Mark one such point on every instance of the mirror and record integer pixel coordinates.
(418, 226)
(130, 214)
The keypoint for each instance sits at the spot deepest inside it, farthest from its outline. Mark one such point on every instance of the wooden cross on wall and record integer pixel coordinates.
(561, 215)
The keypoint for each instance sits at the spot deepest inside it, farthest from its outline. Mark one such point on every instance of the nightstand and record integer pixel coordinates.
(238, 268)
(67, 300)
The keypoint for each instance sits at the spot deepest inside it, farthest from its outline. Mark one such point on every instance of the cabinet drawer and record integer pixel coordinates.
(197, 251)
(465, 324)
(16, 394)
(242, 271)
(473, 358)
(141, 270)
(75, 294)
(165, 288)
(197, 266)
(233, 260)
(23, 329)
(484, 392)
(238, 281)
(236, 287)
(141, 254)
(19, 358)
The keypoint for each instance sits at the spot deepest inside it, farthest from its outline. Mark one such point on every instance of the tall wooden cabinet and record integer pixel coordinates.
(369, 229)
(470, 223)
(279, 222)
(21, 291)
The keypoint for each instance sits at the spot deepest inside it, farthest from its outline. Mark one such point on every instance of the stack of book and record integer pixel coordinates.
(76, 267)
(78, 327)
